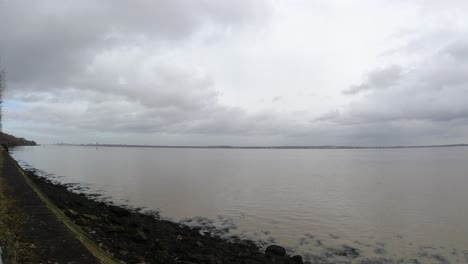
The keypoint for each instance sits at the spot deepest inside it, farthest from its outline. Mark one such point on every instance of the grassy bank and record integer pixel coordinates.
(14, 247)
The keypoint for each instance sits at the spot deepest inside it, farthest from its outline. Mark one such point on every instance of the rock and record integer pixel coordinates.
(70, 213)
(351, 252)
(276, 250)
(345, 251)
(81, 221)
(140, 236)
(297, 259)
(92, 217)
(115, 228)
(120, 211)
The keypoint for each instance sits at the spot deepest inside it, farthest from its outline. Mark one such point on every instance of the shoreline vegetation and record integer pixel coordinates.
(12, 141)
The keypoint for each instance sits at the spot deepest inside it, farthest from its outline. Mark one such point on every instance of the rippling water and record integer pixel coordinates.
(387, 203)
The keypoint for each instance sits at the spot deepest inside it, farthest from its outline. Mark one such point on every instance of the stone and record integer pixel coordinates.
(92, 217)
(297, 259)
(120, 211)
(115, 228)
(276, 250)
(140, 235)
(71, 213)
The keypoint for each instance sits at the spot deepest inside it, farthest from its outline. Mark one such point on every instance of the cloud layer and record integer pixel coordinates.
(236, 72)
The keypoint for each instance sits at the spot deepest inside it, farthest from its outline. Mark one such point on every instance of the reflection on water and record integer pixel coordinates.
(388, 203)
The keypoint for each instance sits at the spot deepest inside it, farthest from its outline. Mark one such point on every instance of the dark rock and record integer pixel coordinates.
(92, 217)
(71, 213)
(120, 211)
(297, 259)
(115, 228)
(346, 251)
(81, 221)
(351, 252)
(140, 236)
(276, 250)
(133, 237)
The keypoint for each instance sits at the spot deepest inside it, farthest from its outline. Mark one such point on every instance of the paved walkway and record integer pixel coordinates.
(54, 241)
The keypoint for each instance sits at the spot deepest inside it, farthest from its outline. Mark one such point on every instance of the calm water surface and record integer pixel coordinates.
(388, 203)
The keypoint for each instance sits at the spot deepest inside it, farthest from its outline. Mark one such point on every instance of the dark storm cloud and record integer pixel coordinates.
(86, 64)
(49, 42)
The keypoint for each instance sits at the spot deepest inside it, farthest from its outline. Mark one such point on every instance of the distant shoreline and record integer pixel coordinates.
(263, 147)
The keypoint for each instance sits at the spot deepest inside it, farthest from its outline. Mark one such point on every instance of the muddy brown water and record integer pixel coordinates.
(388, 203)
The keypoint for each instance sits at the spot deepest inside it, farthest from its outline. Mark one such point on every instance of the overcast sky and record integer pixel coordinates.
(244, 72)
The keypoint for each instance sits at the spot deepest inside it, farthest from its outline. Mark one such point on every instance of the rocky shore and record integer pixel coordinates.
(130, 236)
(134, 236)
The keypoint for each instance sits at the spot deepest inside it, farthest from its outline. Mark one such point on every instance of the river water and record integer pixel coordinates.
(391, 204)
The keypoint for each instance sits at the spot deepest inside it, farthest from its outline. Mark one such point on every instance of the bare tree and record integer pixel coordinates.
(2, 89)
(3, 84)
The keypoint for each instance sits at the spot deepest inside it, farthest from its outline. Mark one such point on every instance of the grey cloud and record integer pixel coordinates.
(458, 50)
(85, 64)
(101, 68)
(168, 87)
(51, 41)
(378, 79)
(426, 104)
(331, 115)
(436, 90)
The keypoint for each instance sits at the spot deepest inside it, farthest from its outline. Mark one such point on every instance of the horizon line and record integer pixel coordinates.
(265, 147)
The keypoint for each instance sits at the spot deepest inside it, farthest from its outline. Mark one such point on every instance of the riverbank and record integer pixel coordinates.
(56, 219)
(133, 237)
(340, 211)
